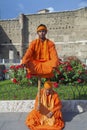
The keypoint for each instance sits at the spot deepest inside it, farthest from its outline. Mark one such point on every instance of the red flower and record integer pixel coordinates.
(19, 66)
(15, 81)
(12, 67)
(67, 63)
(58, 71)
(69, 68)
(79, 80)
(62, 78)
(28, 76)
(60, 62)
(16, 66)
(84, 65)
(5, 71)
(55, 84)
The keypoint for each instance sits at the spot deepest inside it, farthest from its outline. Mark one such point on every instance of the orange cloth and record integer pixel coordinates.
(48, 85)
(41, 28)
(40, 58)
(37, 120)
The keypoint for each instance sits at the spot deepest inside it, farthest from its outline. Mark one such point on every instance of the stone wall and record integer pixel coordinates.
(73, 49)
(10, 37)
(67, 29)
(68, 26)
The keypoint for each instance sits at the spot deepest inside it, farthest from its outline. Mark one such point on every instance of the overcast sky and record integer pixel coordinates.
(10, 9)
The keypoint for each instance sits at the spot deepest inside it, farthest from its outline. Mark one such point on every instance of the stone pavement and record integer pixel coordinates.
(15, 121)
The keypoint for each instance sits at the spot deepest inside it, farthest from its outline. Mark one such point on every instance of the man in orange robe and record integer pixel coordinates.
(48, 115)
(41, 57)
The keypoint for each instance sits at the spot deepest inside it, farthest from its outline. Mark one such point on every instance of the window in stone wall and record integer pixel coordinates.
(18, 53)
(68, 17)
(10, 41)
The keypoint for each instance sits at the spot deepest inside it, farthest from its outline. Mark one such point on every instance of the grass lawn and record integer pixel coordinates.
(10, 91)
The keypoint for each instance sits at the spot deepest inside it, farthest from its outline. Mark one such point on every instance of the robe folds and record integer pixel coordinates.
(37, 120)
(40, 58)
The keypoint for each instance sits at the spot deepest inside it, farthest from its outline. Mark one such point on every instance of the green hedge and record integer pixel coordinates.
(11, 91)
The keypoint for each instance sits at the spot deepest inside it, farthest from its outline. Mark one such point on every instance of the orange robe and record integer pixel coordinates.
(40, 58)
(37, 120)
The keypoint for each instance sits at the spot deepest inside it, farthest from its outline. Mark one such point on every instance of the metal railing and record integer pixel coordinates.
(5, 61)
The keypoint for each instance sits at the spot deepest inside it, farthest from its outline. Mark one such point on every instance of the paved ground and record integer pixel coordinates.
(15, 121)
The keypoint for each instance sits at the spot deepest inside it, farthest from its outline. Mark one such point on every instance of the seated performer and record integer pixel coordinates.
(48, 115)
(41, 56)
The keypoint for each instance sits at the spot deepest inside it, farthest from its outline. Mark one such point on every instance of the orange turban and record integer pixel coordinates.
(41, 28)
(48, 85)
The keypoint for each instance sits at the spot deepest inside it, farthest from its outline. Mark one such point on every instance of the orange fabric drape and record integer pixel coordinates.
(40, 58)
(37, 120)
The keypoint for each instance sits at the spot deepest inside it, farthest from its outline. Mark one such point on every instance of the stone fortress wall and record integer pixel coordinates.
(67, 29)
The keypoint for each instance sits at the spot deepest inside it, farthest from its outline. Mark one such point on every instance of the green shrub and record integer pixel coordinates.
(71, 71)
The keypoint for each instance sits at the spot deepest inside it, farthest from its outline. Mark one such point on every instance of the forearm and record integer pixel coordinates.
(56, 109)
(54, 60)
(27, 57)
(57, 104)
(25, 60)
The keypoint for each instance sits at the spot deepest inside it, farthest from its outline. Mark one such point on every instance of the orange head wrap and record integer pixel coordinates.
(48, 85)
(41, 28)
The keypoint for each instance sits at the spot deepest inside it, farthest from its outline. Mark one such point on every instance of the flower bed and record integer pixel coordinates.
(70, 71)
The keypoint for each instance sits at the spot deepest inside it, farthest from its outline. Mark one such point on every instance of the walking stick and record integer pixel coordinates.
(39, 86)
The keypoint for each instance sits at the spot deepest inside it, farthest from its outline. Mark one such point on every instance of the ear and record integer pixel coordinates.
(46, 32)
(37, 32)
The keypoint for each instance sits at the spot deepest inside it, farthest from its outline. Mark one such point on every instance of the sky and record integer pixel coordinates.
(10, 9)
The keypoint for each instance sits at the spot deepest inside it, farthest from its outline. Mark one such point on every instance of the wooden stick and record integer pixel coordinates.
(39, 87)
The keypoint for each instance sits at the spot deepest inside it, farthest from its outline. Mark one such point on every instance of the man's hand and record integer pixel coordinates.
(23, 65)
(50, 114)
